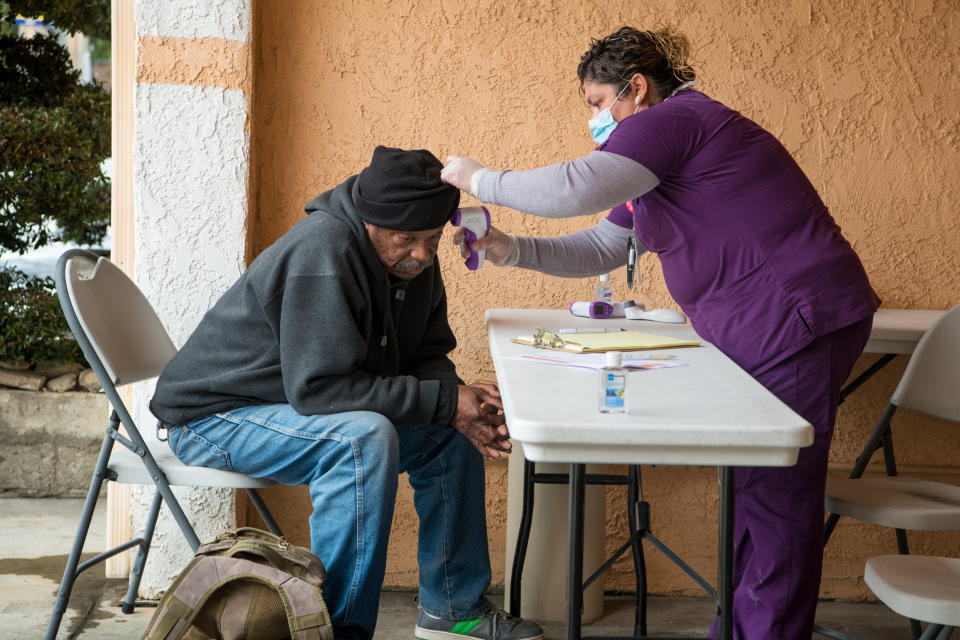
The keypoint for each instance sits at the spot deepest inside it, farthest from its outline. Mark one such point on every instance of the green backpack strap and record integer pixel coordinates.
(230, 537)
(172, 618)
(307, 615)
(247, 542)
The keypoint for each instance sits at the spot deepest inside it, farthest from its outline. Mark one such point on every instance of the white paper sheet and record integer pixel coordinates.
(631, 360)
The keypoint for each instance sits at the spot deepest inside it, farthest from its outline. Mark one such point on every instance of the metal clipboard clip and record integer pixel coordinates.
(543, 339)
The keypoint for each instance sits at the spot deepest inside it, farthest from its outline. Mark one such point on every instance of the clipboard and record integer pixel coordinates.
(598, 342)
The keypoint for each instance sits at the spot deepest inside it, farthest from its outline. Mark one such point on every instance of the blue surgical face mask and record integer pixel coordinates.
(603, 124)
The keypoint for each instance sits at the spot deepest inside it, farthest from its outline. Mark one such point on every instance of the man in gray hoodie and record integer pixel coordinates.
(326, 364)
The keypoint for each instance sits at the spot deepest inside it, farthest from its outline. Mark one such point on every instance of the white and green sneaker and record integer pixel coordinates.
(495, 624)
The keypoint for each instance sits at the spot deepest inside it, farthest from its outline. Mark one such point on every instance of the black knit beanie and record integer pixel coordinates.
(401, 190)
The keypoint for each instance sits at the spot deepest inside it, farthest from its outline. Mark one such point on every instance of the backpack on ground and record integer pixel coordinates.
(246, 584)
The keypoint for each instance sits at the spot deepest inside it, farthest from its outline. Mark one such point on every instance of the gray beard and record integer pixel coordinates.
(412, 265)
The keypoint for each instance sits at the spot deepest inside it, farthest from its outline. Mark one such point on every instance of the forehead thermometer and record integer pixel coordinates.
(595, 309)
(475, 222)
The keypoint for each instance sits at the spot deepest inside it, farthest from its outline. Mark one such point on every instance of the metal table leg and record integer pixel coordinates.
(523, 537)
(575, 565)
(578, 479)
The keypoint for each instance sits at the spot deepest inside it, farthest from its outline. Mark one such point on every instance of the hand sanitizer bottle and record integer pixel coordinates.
(613, 384)
(603, 291)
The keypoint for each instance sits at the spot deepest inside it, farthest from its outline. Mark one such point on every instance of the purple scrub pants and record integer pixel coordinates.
(779, 510)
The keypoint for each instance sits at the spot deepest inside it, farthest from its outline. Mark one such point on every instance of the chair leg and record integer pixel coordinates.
(902, 547)
(264, 512)
(880, 432)
(917, 632)
(889, 459)
(878, 438)
(70, 572)
(136, 572)
(866, 375)
(830, 525)
(523, 537)
(933, 632)
(159, 479)
(177, 511)
(830, 633)
(890, 467)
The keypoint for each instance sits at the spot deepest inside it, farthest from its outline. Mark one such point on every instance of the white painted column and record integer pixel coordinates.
(190, 172)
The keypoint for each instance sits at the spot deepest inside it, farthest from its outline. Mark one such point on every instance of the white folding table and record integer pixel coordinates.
(708, 413)
(897, 331)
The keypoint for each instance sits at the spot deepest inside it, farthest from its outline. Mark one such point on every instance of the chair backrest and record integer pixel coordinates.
(112, 318)
(931, 381)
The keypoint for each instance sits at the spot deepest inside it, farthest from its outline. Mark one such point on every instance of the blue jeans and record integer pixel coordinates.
(350, 463)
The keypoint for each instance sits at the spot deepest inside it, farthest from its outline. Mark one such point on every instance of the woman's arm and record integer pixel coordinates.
(589, 252)
(598, 181)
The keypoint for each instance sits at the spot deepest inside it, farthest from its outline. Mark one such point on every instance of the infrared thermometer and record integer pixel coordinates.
(475, 222)
(595, 309)
(600, 309)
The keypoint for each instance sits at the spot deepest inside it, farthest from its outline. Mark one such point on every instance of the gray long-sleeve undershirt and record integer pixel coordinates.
(588, 252)
(596, 182)
(600, 180)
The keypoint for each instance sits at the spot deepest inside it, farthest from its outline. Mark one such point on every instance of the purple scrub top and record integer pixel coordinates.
(748, 248)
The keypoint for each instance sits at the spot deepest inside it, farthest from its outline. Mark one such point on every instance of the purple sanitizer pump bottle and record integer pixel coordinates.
(475, 222)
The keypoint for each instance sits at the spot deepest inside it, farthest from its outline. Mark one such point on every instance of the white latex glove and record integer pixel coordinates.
(500, 246)
(463, 173)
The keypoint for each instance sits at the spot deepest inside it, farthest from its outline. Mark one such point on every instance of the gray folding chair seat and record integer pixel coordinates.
(130, 469)
(125, 342)
(919, 587)
(897, 502)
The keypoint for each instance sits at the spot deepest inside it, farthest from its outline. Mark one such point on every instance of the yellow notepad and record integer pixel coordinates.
(613, 341)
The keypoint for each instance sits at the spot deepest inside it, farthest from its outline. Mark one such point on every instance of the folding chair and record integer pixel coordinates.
(125, 342)
(920, 588)
(930, 385)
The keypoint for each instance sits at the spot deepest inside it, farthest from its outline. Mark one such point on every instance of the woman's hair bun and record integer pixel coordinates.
(662, 54)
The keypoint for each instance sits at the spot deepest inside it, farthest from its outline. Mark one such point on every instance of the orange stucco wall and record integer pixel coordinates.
(863, 93)
(204, 62)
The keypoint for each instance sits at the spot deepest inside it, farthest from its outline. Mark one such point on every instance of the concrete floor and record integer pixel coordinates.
(36, 535)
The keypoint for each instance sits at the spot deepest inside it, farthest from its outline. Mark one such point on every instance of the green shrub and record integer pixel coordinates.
(35, 71)
(54, 136)
(32, 326)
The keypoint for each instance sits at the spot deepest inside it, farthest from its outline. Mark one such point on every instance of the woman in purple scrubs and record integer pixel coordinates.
(749, 252)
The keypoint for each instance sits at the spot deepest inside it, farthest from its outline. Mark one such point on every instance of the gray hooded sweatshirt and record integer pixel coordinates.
(317, 323)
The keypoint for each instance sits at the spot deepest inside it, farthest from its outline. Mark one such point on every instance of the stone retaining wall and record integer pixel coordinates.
(49, 441)
(50, 376)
